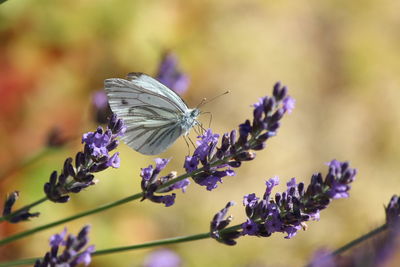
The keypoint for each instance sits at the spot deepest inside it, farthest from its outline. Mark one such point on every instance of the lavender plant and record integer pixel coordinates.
(287, 212)
(73, 253)
(213, 159)
(72, 179)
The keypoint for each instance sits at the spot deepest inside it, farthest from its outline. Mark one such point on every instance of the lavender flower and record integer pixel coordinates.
(151, 183)
(162, 258)
(95, 157)
(287, 212)
(169, 74)
(218, 162)
(73, 253)
(21, 215)
(219, 223)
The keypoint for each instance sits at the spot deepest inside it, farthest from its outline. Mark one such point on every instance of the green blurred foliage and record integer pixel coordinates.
(340, 59)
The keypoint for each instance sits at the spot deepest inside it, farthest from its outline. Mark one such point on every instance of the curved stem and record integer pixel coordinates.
(27, 207)
(79, 215)
(359, 240)
(166, 241)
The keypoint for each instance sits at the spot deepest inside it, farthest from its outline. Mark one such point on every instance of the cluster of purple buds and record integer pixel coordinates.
(152, 183)
(217, 162)
(219, 223)
(95, 158)
(288, 212)
(20, 215)
(169, 74)
(74, 252)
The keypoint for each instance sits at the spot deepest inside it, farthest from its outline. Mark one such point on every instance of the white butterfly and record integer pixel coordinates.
(155, 115)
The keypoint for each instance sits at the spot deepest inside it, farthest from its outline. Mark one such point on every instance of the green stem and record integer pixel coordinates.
(354, 242)
(77, 216)
(359, 240)
(167, 241)
(27, 207)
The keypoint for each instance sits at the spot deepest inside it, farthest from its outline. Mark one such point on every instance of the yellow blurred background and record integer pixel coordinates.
(340, 60)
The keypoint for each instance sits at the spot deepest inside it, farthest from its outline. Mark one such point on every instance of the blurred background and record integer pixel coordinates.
(340, 60)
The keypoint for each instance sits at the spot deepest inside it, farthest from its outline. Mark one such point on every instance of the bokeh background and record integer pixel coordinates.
(340, 59)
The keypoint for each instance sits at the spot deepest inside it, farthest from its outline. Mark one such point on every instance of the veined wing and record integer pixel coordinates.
(151, 136)
(145, 81)
(133, 93)
(151, 114)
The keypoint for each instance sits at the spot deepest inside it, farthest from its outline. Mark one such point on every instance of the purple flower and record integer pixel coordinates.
(211, 163)
(95, 158)
(183, 184)
(162, 258)
(250, 200)
(250, 228)
(288, 104)
(288, 212)
(19, 215)
(147, 173)
(152, 183)
(58, 239)
(169, 74)
(271, 183)
(114, 161)
(73, 253)
(220, 222)
(191, 163)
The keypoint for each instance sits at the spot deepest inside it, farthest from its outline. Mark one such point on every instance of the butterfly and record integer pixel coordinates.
(155, 115)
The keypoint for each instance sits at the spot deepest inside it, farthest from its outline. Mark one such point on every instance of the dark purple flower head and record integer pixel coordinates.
(289, 211)
(58, 239)
(162, 258)
(210, 163)
(250, 200)
(96, 157)
(169, 74)
(19, 215)
(250, 228)
(219, 223)
(152, 183)
(73, 253)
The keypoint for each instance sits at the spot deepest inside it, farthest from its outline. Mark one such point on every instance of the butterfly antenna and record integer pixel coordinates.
(205, 101)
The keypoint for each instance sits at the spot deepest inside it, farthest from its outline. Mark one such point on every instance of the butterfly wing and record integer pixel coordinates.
(150, 110)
